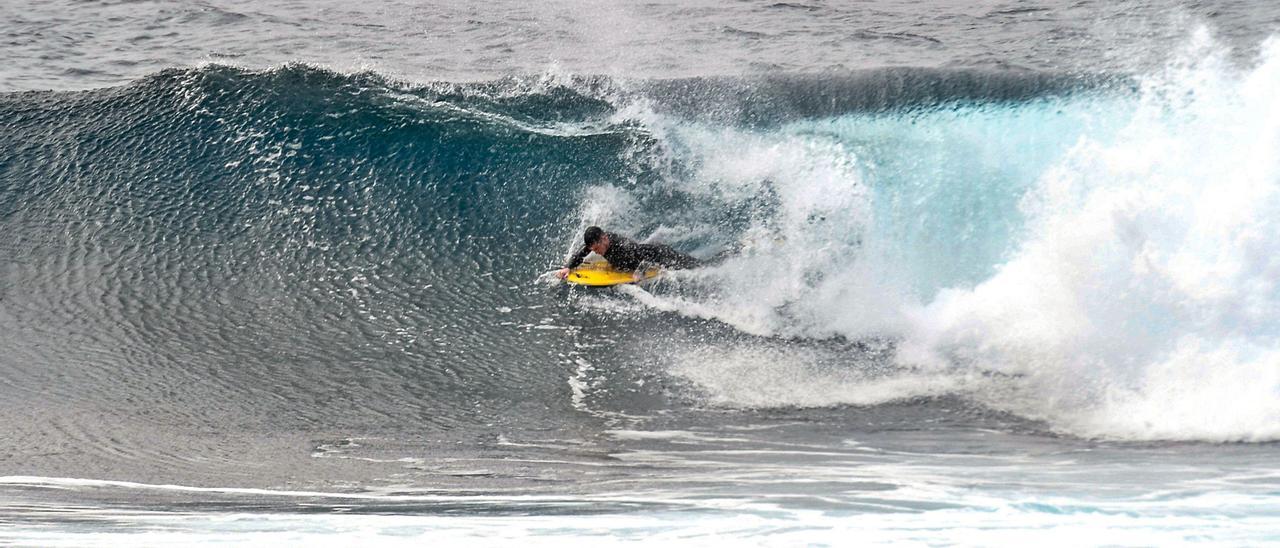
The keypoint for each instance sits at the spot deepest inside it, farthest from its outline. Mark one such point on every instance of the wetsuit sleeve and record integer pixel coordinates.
(665, 256)
(577, 258)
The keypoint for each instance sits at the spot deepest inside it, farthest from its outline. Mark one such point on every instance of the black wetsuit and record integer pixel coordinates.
(625, 254)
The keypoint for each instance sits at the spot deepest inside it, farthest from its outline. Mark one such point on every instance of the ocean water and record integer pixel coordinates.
(1002, 273)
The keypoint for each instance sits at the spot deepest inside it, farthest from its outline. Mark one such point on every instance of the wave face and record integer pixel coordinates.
(292, 247)
(299, 249)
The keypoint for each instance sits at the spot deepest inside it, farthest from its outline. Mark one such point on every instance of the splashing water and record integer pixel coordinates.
(1105, 260)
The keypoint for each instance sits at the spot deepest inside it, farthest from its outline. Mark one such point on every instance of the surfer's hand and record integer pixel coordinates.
(562, 273)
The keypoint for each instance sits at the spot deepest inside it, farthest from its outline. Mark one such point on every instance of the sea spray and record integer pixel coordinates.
(1143, 302)
(1102, 261)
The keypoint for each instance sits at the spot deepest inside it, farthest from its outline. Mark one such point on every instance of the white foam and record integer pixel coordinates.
(789, 377)
(1145, 301)
(1115, 256)
(993, 518)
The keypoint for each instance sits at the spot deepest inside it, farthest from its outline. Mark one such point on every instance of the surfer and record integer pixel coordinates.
(625, 254)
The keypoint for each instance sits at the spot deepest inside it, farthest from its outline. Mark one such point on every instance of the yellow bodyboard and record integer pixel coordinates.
(601, 274)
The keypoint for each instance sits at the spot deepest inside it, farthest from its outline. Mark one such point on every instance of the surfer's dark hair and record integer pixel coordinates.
(592, 235)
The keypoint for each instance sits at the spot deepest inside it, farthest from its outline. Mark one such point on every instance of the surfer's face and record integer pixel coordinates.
(601, 245)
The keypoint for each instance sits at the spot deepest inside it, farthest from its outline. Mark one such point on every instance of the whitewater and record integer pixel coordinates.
(995, 274)
(1102, 263)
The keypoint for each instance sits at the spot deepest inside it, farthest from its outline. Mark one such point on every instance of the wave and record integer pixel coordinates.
(1082, 250)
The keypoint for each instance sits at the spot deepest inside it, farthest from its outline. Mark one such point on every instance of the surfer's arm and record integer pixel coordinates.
(577, 258)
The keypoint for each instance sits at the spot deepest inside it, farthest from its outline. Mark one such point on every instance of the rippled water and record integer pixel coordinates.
(80, 44)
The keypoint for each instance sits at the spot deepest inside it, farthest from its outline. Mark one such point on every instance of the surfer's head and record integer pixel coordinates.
(596, 239)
